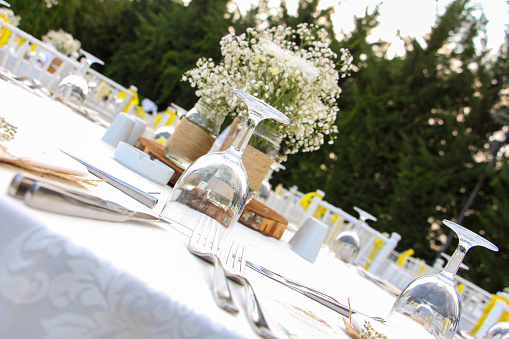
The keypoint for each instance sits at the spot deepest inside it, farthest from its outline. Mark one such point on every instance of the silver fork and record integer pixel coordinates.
(234, 261)
(203, 243)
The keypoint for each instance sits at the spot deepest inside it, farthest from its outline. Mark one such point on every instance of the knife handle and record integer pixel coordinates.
(21, 183)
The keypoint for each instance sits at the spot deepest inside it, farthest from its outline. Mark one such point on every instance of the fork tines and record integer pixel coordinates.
(203, 243)
(205, 235)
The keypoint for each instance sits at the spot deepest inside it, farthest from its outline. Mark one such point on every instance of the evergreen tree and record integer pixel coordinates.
(487, 269)
(412, 129)
(167, 40)
(95, 23)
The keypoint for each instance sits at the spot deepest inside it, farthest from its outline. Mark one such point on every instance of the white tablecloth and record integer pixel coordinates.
(67, 277)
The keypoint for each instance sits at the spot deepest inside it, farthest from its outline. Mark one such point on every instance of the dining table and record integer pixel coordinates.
(74, 277)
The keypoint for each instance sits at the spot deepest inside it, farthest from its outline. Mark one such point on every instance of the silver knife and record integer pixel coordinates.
(135, 193)
(309, 292)
(61, 200)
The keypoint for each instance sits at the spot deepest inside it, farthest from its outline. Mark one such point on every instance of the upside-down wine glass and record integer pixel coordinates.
(216, 184)
(433, 300)
(347, 244)
(74, 88)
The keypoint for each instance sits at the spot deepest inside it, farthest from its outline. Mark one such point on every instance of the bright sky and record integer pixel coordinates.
(412, 18)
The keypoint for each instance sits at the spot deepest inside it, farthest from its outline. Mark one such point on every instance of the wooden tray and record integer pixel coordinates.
(265, 220)
(256, 215)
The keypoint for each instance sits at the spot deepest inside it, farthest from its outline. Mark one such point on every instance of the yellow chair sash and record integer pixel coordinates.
(4, 32)
(135, 101)
(402, 257)
(378, 244)
(487, 310)
(320, 210)
(306, 199)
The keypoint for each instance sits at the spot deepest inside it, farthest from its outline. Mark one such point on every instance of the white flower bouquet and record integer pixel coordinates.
(63, 41)
(12, 18)
(294, 71)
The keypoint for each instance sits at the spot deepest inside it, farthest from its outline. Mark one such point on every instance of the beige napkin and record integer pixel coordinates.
(44, 160)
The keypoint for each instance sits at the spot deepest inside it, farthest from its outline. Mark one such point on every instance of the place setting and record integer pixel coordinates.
(122, 217)
(207, 201)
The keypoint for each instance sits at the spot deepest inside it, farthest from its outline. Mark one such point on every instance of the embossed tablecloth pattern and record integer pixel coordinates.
(37, 268)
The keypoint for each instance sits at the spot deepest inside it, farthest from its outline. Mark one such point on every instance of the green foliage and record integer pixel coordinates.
(410, 128)
(495, 221)
(93, 22)
(160, 50)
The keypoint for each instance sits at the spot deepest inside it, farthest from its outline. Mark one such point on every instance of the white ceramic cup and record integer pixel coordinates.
(308, 240)
(119, 130)
(137, 131)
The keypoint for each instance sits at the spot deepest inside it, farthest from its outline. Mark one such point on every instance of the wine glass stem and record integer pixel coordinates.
(243, 137)
(457, 258)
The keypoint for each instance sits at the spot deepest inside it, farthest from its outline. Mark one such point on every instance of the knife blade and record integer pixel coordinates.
(309, 292)
(135, 193)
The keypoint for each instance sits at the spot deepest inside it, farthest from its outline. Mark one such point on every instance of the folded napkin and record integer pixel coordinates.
(44, 160)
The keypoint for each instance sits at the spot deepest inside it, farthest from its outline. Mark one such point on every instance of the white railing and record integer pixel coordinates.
(400, 274)
(287, 203)
(25, 56)
(473, 301)
(106, 96)
(377, 254)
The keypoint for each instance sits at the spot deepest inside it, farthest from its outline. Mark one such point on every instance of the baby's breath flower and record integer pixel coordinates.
(7, 131)
(63, 41)
(299, 80)
(368, 332)
(12, 18)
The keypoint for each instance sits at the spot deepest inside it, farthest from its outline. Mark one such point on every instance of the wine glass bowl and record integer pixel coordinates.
(213, 187)
(433, 300)
(74, 88)
(346, 246)
(217, 184)
(499, 330)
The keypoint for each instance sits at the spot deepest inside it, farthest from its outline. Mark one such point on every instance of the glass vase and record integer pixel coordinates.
(194, 136)
(260, 152)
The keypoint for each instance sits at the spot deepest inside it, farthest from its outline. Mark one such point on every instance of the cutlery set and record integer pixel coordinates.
(203, 243)
(229, 264)
(33, 86)
(234, 261)
(311, 293)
